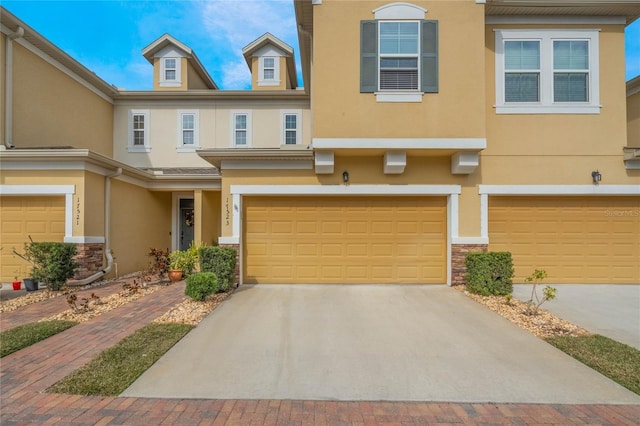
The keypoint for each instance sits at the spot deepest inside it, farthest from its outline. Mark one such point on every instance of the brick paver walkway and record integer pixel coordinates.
(25, 375)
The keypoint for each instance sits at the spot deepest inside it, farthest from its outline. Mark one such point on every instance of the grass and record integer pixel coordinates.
(617, 361)
(27, 334)
(111, 372)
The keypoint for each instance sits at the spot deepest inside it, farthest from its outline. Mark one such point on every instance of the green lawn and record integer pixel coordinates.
(617, 361)
(27, 334)
(111, 372)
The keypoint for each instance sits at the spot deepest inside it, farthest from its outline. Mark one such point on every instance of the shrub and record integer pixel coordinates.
(222, 262)
(201, 285)
(489, 273)
(548, 293)
(53, 263)
(159, 263)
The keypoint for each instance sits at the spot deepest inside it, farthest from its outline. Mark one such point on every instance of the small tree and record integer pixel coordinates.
(52, 263)
(548, 293)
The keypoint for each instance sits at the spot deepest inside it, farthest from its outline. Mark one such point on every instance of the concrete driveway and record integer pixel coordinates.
(368, 342)
(607, 309)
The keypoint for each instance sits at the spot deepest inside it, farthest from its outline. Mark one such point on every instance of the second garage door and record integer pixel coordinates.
(345, 240)
(575, 239)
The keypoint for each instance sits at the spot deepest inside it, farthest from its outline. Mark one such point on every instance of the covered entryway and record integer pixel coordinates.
(339, 239)
(41, 217)
(575, 239)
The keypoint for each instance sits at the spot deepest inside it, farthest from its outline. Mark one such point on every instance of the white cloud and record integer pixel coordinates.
(235, 75)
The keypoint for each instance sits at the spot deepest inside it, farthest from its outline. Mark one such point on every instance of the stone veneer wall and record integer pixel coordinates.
(236, 247)
(90, 259)
(458, 252)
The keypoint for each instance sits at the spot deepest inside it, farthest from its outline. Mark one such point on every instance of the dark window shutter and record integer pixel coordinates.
(368, 56)
(429, 57)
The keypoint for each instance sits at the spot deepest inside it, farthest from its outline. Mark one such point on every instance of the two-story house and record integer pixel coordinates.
(424, 130)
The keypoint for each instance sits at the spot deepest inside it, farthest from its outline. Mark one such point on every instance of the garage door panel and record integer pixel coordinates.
(42, 218)
(359, 240)
(576, 239)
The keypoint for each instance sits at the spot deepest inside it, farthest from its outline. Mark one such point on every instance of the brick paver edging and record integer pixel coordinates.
(24, 375)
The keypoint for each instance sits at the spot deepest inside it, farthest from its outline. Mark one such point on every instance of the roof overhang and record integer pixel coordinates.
(255, 156)
(629, 9)
(633, 86)
(84, 159)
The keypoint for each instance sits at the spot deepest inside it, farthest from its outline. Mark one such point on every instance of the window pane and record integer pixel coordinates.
(187, 122)
(399, 37)
(290, 121)
(570, 87)
(521, 87)
(170, 63)
(138, 137)
(187, 137)
(241, 137)
(138, 122)
(268, 74)
(241, 121)
(399, 74)
(170, 75)
(268, 62)
(570, 54)
(522, 55)
(290, 137)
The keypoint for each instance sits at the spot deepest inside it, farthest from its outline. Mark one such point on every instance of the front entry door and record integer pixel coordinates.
(186, 223)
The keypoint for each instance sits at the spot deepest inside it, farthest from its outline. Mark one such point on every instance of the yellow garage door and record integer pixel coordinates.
(40, 217)
(575, 239)
(345, 240)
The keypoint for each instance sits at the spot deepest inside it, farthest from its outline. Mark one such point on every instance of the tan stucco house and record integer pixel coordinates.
(424, 130)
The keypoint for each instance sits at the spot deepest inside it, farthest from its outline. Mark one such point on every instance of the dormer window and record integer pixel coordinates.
(170, 72)
(269, 71)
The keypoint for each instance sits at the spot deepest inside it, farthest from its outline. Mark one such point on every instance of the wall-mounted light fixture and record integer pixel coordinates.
(596, 176)
(345, 176)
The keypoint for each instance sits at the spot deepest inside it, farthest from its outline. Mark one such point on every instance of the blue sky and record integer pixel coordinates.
(108, 36)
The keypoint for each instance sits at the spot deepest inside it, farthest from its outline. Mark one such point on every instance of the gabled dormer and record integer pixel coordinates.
(176, 66)
(272, 64)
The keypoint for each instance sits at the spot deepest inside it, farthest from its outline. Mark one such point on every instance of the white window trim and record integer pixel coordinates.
(177, 82)
(399, 55)
(275, 81)
(147, 130)
(298, 114)
(196, 131)
(546, 104)
(232, 127)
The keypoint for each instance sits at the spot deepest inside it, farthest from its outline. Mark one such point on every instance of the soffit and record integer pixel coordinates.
(304, 21)
(629, 9)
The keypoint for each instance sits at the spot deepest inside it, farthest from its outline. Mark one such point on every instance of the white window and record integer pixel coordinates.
(269, 71)
(138, 131)
(170, 73)
(188, 131)
(547, 72)
(291, 125)
(399, 49)
(241, 128)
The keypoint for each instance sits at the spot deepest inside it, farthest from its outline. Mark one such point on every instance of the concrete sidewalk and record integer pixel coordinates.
(369, 342)
(607, 309)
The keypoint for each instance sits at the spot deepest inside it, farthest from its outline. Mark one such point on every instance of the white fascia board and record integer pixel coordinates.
(559, 189)
(228, 240)
(37, 189)
(400, 144)
(632, 164)
(469, 240)
(182, 186)
(556, 20)
(345, 189)
(48, 165)
(254, 164)
(84, 240)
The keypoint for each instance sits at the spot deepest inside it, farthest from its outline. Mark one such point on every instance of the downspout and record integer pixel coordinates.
(8, 87)
(107, 233)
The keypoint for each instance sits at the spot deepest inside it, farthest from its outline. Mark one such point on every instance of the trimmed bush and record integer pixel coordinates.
(53, 263)
(201, 285)
(489, 273)
(222, 262)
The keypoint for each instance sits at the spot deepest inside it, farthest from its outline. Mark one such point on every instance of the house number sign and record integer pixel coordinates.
(228, 212)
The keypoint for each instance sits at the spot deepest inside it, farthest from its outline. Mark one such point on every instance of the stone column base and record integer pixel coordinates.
(90, 259)
(458, 268)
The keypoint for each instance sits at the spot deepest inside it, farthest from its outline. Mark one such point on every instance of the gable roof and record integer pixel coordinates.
(168, 40)
(633, 86)
(269, 39)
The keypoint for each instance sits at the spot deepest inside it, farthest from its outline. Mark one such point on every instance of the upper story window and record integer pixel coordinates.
(241, 128)
(188, 131)
(170, 72)
(138, 129)
(547, 72)
(291, 127)
(269, 71)
(399, 54)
